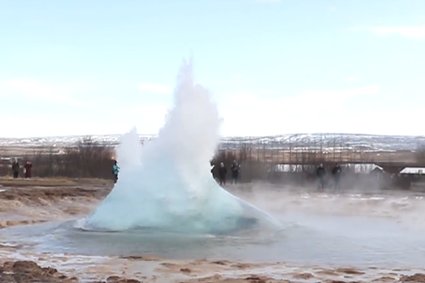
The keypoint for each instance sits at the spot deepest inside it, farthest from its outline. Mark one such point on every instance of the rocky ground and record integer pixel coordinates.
(25, 202)
(28, 201)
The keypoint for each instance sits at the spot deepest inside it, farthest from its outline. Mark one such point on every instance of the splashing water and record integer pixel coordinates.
(167, 184)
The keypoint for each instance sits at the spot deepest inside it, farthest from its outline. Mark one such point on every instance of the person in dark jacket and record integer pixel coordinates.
(320, 172)
(15, 168)
(336, 174)
(235, 171)
(28, 167)
(115, 170)
(213, 169)
(222, 172)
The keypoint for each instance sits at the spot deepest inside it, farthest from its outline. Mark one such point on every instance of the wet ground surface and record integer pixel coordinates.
(325, 237)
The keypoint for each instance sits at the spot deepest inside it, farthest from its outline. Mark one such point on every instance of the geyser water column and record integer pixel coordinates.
(167, 184)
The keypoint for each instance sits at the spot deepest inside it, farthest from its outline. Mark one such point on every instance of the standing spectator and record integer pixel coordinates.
(115, 170)
(336, 173)
(222, 172)
(28, 166)
(320, 172)
(235, 171)
(214, 172)
(15, 168)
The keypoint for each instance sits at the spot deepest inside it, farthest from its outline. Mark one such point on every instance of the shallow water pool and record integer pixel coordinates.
(349, 229)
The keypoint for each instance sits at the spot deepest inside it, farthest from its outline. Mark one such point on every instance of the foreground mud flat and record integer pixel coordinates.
(25, 202)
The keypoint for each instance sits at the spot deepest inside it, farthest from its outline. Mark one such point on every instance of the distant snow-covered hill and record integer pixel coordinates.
(326, 140)
(347, 141)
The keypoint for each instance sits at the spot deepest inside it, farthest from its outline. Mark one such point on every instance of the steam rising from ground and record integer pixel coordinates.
(167, 183)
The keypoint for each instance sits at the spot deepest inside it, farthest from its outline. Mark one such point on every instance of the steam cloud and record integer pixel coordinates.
(167, 183)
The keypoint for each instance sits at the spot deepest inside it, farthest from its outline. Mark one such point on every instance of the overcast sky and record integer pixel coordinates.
(273, 67)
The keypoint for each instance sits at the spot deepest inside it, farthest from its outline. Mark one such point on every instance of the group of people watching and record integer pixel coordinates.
(16, 168)
(219, 172)
(321, 176)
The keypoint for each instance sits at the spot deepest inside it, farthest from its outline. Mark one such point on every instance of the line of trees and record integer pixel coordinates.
(92, 159)
(87, 159)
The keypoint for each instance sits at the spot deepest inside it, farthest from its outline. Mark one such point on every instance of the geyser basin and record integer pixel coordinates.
(167, 184)
(382, 230)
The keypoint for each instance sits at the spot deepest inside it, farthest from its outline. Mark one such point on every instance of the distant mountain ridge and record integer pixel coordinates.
(332, 140)
(322, 140)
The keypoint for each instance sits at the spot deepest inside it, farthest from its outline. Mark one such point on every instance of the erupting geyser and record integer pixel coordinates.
(167, 184)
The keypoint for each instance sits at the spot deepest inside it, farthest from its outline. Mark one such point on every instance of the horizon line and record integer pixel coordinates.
(223, 136)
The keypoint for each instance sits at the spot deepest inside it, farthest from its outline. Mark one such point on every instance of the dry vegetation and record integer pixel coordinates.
(88, 159)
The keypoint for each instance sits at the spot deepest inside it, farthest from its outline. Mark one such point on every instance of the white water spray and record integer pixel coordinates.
(167, 183)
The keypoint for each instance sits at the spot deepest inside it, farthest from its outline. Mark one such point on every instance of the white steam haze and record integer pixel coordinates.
(167, 183)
